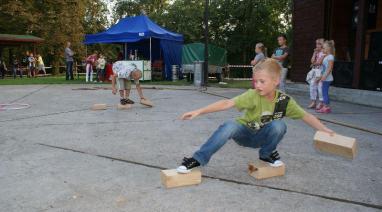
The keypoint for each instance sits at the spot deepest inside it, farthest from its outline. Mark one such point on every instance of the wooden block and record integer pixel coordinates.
(99, 107)
(123, 107)
(262, 170)
(171, 178)
(146, 102)
(335, 144)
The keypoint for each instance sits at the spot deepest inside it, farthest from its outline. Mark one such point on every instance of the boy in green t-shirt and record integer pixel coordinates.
(260, 126)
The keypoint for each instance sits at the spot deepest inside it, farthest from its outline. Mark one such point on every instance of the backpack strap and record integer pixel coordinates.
(280, 106)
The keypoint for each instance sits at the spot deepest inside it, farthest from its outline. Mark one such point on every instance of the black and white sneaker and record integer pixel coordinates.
(273, 159)
(129, 101)
(126, 101)
(123, 101)
(187, 165)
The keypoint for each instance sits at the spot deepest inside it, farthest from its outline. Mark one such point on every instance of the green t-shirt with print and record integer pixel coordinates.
(258, 110)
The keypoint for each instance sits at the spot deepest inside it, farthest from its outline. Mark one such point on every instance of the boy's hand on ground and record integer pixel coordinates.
(189, 115)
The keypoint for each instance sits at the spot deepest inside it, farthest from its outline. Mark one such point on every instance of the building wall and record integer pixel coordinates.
(308, 25)
(341, 29)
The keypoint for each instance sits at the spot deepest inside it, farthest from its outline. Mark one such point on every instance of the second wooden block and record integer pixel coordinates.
(171, 178)
(99, 107)
(262, 170)
(335, 144)
(123, 107)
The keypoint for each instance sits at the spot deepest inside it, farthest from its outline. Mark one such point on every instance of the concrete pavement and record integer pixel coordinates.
(58, 155)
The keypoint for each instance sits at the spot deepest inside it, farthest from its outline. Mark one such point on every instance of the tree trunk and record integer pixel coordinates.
(56, 68)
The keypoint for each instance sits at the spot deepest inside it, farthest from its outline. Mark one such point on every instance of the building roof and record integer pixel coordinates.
(6, 39)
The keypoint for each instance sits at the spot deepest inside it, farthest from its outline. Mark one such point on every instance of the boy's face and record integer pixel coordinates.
(281, 41)
(266, 83)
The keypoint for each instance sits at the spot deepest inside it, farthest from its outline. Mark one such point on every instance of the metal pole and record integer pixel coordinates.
(205, 68)
(125, 51)
(150, 50)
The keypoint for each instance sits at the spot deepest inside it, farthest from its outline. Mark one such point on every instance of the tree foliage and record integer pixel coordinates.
(236, 25)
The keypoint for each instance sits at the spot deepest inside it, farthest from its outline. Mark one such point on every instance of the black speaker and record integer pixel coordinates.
(371, 75)
(343, 74)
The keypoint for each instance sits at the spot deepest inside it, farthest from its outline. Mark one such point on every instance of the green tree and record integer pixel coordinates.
(56, 22)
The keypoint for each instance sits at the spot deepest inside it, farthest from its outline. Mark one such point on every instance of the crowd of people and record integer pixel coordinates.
(33, 64)
(30, 63)
(96, 61)
(319, 77)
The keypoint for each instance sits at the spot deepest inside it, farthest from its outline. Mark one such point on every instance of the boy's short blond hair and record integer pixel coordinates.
(269, 65)
(136, 74)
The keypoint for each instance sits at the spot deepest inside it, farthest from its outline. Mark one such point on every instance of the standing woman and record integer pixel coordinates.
(261, 51)
(326, 75)
(90, 62)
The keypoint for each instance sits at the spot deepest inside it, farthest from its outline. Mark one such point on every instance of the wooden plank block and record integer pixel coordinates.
(335, 144)
(99, 107)
(171, 178)
(262, 170)
(123, 107)
(146, 102)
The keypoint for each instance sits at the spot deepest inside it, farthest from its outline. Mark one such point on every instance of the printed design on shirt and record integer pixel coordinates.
(279, 114)
(266, 117)
(279, 52)
(123, 70)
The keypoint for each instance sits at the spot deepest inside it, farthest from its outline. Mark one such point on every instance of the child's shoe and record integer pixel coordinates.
(319, 106)
(123, 101)
(126, 101)
(129, 101)
(273, 159)
(187, 165)
(324, 109)
(312, 105)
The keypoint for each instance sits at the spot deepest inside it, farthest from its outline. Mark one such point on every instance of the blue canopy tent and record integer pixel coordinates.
(139, 32)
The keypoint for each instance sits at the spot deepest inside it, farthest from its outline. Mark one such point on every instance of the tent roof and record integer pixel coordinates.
(132, 29)
(18, 39)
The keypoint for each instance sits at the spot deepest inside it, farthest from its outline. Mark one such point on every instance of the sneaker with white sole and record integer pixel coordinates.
(273, 160)
(187, 165)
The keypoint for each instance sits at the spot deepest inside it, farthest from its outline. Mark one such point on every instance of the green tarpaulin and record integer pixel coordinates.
(195, 52)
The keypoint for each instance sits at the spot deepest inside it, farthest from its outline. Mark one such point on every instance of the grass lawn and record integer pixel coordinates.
(81, 80)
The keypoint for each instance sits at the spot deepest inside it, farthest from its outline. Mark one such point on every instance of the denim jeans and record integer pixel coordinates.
(283, 76)
(267, 139)
(15, 69)
(325, 91)
(89, 72)
(69, 70)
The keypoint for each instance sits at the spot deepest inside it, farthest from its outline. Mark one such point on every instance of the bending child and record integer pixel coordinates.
(123, 73)
(260, 126)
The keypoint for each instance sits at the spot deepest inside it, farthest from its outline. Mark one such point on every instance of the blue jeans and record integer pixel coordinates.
(15, 69)
(69, 70)
(325, 91)
(267, 139)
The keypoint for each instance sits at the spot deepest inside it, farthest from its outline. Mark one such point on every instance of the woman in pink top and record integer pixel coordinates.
(90, 62)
